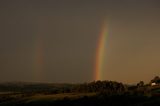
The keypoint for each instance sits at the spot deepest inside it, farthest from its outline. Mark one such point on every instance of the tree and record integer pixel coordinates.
(156, 79)
(140, 84)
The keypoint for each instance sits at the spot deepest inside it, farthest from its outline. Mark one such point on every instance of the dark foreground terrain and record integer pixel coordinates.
(99, 93)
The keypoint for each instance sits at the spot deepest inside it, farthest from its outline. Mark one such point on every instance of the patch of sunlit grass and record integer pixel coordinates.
(41, 97)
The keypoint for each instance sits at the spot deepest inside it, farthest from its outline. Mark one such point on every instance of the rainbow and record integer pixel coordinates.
(38, 59)
(39, 50)
(100, 53)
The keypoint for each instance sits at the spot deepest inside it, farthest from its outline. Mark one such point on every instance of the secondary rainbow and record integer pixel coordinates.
(100, 53)
(38, 59)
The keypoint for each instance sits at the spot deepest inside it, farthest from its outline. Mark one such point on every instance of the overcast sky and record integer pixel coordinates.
(56, 40)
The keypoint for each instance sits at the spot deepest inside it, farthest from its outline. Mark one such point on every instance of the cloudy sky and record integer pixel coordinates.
(56, 40)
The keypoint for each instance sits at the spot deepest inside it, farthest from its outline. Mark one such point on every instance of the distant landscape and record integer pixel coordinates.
(96, 93)
(79, 52)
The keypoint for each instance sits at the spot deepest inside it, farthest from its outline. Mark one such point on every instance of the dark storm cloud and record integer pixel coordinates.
(69, 30)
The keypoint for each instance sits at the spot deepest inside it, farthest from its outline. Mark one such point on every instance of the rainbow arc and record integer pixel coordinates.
(100, 53)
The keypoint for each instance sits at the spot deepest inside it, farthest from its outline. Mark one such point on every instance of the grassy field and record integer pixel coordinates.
(65, 95)
(29, 99)
(55, 97)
